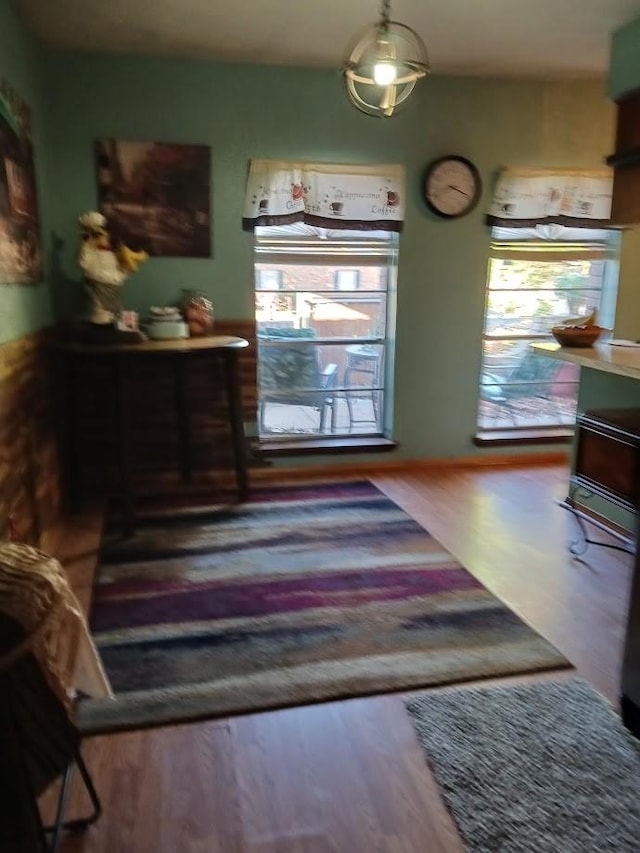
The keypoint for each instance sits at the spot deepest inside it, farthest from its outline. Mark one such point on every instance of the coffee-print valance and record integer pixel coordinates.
(329, 195)
(580, 198)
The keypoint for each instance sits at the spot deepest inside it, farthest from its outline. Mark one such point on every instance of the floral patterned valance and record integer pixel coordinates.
(580, 198)
(365, 198)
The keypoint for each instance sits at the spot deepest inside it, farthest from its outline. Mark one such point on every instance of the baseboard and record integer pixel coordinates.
(390, 466)
(29, 476)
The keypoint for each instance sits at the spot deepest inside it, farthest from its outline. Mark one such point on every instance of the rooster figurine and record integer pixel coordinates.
(105, 268)
(130, 260)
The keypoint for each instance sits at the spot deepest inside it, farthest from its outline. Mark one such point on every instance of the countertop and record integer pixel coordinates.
(179, 345)
(622, 361)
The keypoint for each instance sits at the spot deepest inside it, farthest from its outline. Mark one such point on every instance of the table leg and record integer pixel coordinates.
(182, 412)
(68, 420)
(236, 420)
(124, 448)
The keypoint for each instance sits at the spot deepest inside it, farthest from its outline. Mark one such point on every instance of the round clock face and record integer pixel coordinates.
(452, 186)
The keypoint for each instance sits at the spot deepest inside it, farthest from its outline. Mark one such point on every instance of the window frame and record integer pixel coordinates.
(336, 280)
(260, 275)
(539, 244)
(379, 250)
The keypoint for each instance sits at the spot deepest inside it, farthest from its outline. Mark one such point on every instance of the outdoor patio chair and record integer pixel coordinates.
(532, 377)
(290, 373)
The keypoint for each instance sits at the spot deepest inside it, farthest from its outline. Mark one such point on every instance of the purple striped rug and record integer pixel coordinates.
(303, 594)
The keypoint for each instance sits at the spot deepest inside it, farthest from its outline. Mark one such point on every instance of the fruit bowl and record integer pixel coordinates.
(577, 336)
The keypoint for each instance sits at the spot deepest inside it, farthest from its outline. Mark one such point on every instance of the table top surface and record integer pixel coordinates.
(622, 361)
(364, 350)
(181, 345)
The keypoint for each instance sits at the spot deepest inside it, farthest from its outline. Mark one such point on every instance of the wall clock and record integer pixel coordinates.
(452, 186)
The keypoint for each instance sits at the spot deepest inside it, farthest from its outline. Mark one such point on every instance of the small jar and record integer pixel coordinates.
(197, 310)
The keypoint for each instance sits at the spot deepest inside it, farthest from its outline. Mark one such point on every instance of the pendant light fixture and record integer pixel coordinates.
(384, 65)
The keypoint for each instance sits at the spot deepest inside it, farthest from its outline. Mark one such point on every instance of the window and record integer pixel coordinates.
(324, 334)
(268, 279)
(537, 278)
(347, 279)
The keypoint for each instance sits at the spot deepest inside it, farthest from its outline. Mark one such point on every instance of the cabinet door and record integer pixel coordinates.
(625, 206)
(609, 464)
(625, 209)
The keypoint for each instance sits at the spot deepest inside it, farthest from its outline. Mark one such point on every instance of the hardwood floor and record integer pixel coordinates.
(504, 526)
(350, 777)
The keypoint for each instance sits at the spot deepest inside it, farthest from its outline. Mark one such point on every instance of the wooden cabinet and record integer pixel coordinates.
(626, 162)
(607, 459)
(608, 463)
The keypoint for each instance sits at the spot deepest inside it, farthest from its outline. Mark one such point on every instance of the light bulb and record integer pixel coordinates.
(384, 73)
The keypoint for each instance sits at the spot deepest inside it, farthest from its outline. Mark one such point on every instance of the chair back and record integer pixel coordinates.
(288, 366)
(531, 377)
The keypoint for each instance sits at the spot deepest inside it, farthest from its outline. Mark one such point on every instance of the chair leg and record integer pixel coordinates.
(326, 415)
(555, 402)
(58, 826)
(14, 749)
(261, 418)
(375, 402)
(334, 413)
(347, 396)
(507, 405)
(328, 407)
(79, 823)
(351, 415)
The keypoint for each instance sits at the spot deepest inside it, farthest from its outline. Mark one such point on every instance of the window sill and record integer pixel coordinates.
(501, 438)
(313, 446)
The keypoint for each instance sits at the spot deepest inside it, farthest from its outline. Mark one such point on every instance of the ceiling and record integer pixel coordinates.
(523, 38)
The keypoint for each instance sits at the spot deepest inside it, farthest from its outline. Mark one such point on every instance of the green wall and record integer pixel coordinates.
(624, 66)
(246, 111)
(25, 308)
(628, 305)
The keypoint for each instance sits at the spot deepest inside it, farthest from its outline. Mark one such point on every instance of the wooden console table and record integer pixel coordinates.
(172, 356)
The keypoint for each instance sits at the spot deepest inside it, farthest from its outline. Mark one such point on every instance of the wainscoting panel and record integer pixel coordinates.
(29, 476)
(247, 362)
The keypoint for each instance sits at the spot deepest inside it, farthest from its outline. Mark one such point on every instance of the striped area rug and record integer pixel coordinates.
(304, 594)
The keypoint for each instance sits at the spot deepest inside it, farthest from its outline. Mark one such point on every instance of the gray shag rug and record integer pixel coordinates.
(544, 767)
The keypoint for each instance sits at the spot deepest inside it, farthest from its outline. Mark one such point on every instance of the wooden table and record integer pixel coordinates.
(121, 357)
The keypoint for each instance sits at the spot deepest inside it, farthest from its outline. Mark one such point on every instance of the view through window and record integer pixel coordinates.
(324, 323)
(537, 278)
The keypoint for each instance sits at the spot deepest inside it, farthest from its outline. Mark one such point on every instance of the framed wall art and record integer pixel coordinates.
(20, 252)
(157, 196)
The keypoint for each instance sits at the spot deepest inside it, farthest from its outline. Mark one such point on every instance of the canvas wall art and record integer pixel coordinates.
(157, 196)
(20, 253)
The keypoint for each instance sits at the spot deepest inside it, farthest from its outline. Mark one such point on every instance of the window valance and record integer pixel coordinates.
(362, 198)
(580, 198)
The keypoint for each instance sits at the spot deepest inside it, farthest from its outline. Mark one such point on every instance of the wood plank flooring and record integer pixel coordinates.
(350, 777)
